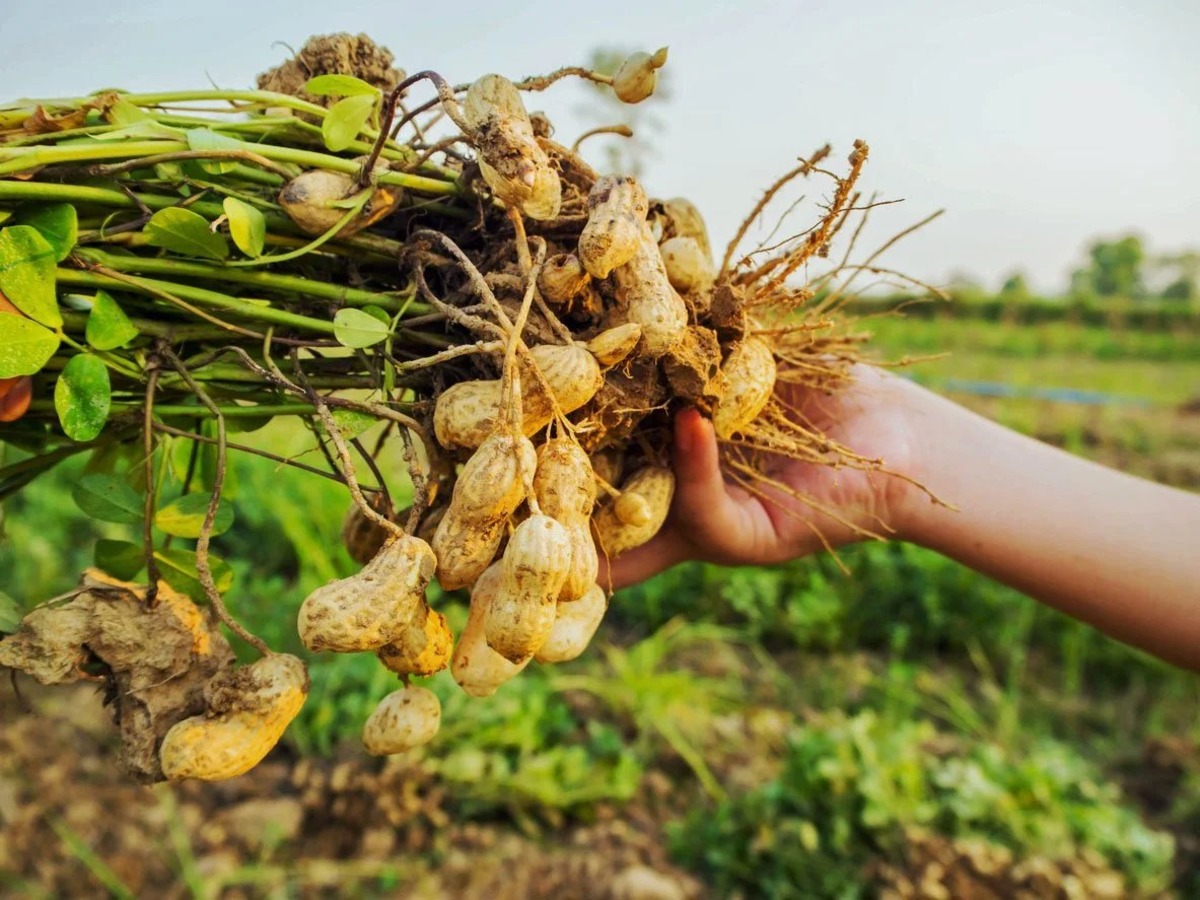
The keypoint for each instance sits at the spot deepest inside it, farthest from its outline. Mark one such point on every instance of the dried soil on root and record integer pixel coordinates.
(153, 662)
(333, 54)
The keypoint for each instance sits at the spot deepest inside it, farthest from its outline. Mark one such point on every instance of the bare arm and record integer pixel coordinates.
(1118, 552)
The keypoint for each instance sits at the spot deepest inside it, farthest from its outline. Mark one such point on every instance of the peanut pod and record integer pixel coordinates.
(649, 300)
(565, 488)
(369, 609)
(534, 569)
(747, 381)
(637, 77)
(574, 627)
(655, 485)
(617, 208)
(312, 200)
(422, 648)
(688, 267)
(248, 710)
(404, 719)
(478, 669)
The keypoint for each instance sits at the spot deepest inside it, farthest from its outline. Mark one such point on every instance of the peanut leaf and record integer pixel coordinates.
(178, 569)
(184, 516)
(108, 498)
(107, 326)
(345, 120)
(183, 231)
(82, 397)
(120, 559)
(57, 223)
(247, 226)
(25, 346)
(338, 86)
(355, 328)
(27, 263)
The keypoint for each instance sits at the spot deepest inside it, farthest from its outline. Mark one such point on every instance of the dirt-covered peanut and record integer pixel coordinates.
(248, 709)
(311, 201)
(649, 298)
(535, 567)
(467, 413)
(362, 537)
(478, 669)
(747, 381)
(574, 626)
(512, 162)
(491, 485)
(637, 77)
(653, 484)
(608, 465)
(617, 208)
(613, 345)
(562, 278)
(367, 610)
(422, 648)
(404, 719)
(565, 488)
(683, 219)
(688, 267)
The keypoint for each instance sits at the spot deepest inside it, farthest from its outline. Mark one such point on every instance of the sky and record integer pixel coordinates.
(1037, 126)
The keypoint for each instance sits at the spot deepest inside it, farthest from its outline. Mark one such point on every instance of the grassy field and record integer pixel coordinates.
(791, 731)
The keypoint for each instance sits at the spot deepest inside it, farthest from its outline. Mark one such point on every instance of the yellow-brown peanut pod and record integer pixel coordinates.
(492, 484)
(534, 569)
(613, 345)
(747, 381)
(632, 509)
(368, 609)
(422, 648)
(511, 160)
(574, 627)
(617, 208)
(478, 669)
(685, 220)
(650, 301)
(637, 77)
(467, 413)
(309, 200)
(565, 488)
(404, 719)
(562, 278)
(688, 267)
(655, 485)
(248, 709)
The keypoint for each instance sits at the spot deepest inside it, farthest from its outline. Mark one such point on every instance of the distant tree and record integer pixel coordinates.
(624, 155)
(1181, 275)
(1114, 269)
(1015, 288)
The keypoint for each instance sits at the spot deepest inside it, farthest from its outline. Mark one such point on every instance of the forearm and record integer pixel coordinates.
(1118, 552)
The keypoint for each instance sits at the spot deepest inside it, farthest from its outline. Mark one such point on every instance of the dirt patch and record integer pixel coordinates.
(333, 54)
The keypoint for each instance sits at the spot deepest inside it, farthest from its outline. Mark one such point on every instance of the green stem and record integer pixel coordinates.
(154, 288)
(76, 322)
(268, 281)
(108, 359)
(199, 412)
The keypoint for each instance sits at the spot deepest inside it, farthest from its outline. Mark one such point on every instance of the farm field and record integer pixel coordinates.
(905, 728)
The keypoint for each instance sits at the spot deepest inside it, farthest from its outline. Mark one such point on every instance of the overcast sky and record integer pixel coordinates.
(1037, 125)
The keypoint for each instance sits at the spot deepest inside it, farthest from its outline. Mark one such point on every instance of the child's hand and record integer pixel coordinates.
(717, 521)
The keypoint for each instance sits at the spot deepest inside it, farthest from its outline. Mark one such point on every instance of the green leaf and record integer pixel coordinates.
(355, 328)
(120, 559)
(107, 326)
(379, 313)
(338, 86)
(57, 223)
(178, 569)
(108, 498)
(183, 231)
(247, 226)
(345, 120)
(24, 345)
(27, 263)
(350, 422)
(82, 397)
(125, 113)
(203, 140)
(10, 615)
(184, 516)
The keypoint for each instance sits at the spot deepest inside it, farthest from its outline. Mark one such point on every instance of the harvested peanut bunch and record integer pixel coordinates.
(412, 267)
